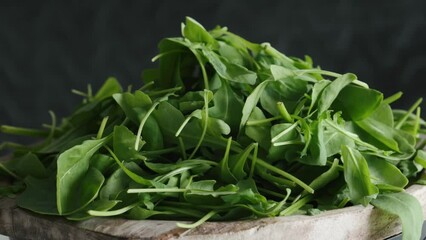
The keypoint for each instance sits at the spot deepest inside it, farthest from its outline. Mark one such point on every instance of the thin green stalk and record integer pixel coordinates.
(144, 119)
(9, 172)
(102, 127)
(89, 92)
(23, 131)
(166, 53)
(285, 143)
(206, 122)
(146, 85)
(343, 202)
(417, 122)
(401, 121)
(254, 159)
(199, 222)
(284, 132)
(157, 190)
(79, 93)
(331, 74)
(283, 111)
(296, 206)
(160, 151)
(392, 98)
(262, 121)
(111, 213)
(287, 175)
(272, 193)
(182, 148)
(163, 92)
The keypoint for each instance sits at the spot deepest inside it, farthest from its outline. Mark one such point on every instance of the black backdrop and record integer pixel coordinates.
(50, 47)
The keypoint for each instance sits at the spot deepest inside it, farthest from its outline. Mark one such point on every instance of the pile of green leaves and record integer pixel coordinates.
(224, 129)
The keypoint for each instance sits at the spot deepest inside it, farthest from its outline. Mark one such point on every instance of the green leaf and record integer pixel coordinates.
(27, 165)
(368, 100)
(286, 140)
(118, 182)
(102, 162)
(252, 101)
(73, 172)
(170, 119)
(407, 208)
(110, 87)
(195, 32)
(39, 196)
(317, 148)
(317, 91)
(229, 71)
(228, 106)
(136, 106)
(385, 173)
(124, 143)
(379, 131)
(421, 158)
(334, 140)
(259, 132)
(239, 163)
(332, 90)
(357, 176)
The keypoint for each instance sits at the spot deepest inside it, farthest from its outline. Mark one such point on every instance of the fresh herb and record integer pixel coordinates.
(224, 129)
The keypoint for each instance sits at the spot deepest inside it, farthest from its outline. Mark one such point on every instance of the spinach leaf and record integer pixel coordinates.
(39, 195)
(124, 144)
(357, 176)
(407, 208)
(72, 175)
(228, 106)
(332, 90)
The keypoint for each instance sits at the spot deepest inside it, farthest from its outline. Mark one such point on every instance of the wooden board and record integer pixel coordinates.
(355, 222)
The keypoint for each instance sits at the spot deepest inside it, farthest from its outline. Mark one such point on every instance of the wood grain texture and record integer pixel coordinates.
(355, 222)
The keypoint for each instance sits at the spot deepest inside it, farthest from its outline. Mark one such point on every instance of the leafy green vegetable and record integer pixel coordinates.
(224, 129)
(73, 174)
(407, 208)
(357, 176)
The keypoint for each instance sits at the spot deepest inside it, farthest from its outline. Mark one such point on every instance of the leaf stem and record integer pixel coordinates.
(206, 122)
(392, 98)
(287, 175)
(113, 212)
(164, 91)
(284, 132)
(144, 119)
(296, 206)
(102, 127)
(199, 222)
(262, 121)
(23, 131)
(254, 159)
(407, 114)
(283, 111)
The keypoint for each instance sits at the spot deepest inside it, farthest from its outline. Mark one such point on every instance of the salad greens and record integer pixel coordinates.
(224, 129)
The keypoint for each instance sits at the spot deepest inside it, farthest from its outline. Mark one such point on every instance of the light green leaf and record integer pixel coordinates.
(407, 208)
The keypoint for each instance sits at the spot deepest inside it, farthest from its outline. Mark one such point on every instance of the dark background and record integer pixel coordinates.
(49, 47)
